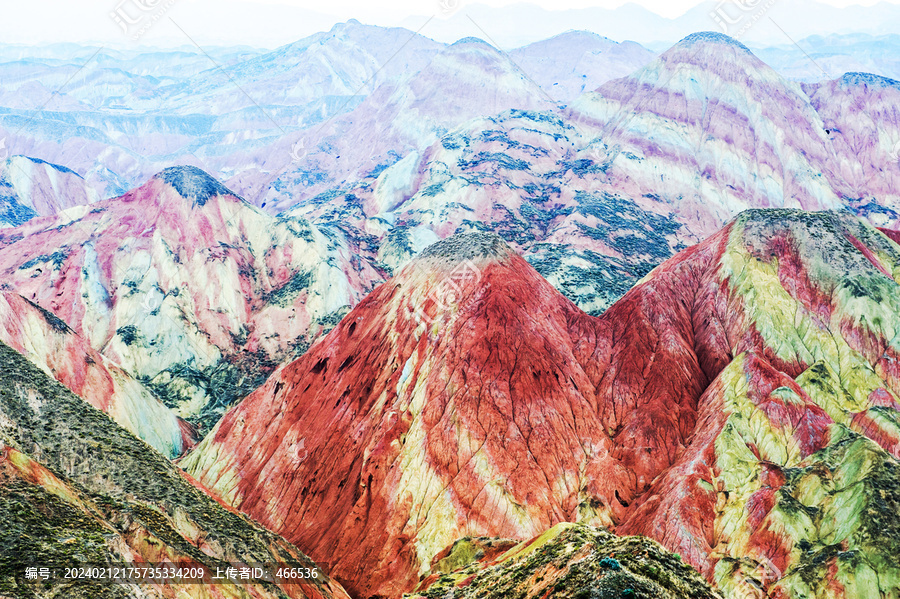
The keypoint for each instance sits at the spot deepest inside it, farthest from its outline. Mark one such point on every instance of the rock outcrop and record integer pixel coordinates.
(569, 561)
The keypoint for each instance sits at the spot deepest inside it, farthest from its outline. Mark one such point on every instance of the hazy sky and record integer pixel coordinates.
(362, 8)
(266, 23)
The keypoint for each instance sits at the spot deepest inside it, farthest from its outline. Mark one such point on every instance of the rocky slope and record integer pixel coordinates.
(862, 121)
(239, 113)
(574, 62)
(569, 561)
(53, 347)
(739, 405)
(76, 488)
(466, 138)
(188, 288)
(519, 175)
(715, 126)
(30, 187)
(129, 114)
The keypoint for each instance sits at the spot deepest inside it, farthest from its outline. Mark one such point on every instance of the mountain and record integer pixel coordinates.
(349, 61)
(519, 23)
(735, 405)
(567, 561)
(402, 431)
(76, 489)
(597, 194)
(53, 347)
(30, 187)
(340, 122)
(521, 175)
(574, 62)
(189, 289)
(861, 119)
(461, 82)
(835, 53)
(715, 127)
(128, 114)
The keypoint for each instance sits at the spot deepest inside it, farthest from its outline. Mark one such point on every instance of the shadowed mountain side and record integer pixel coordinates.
(77, 488)
(53, 346)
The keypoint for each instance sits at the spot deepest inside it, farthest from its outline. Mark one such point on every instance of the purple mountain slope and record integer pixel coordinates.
(30, 187)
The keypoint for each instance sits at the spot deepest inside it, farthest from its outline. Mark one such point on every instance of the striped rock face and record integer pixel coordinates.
(859, 112)
(195, 293)
(739, 405)
(598, 193)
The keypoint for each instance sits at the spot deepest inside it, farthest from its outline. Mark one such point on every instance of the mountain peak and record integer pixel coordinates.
(349, 24)
(867, 79)
(711, 37)
(193, 183)
(471, 40)
(508, 381)
(468, 246)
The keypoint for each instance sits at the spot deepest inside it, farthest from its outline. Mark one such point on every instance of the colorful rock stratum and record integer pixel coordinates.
(739, 406)
(48, 342)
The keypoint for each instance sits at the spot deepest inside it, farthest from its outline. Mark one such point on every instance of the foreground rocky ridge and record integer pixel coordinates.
(568, 561)
(739, 405)
(77, 488)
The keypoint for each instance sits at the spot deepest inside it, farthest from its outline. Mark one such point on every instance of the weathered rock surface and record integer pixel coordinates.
(597, 194)
(739, 405)
(861, 119)
(75, 488)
